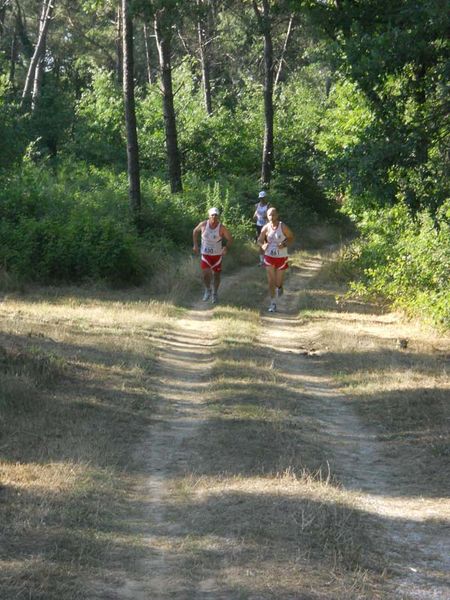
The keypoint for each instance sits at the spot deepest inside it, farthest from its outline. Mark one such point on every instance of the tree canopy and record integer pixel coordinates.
(336, 105)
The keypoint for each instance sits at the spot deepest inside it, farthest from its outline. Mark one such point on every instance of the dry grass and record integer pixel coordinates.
(76, 394)
(402, 392)
(179, 278)
(254, 510)
(280, 535)
(258, 512)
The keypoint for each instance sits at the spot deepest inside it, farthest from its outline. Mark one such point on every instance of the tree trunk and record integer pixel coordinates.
(27, 46)
(13, 59)
(119, 49)
(283, 52)
(267, 158)
(148, 57)
(36, 63)
(134, 184)
(2, 19)
(162, 32)
(37, 79)
(204, 58)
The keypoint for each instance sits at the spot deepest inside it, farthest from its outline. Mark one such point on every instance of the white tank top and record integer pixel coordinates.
(261, 214)
(275, 237)
(211, 240)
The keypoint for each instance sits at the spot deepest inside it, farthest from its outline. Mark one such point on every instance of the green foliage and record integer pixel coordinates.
(98, 135)
(299, 109)
(13, 127)
(74, 225)
(228, 141)
(53, 116)
(50, 230)
(393, 68)
(149, 115)
(406, 258)
(345, 120)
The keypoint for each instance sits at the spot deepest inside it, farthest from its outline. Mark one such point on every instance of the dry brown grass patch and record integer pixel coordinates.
(76, 395)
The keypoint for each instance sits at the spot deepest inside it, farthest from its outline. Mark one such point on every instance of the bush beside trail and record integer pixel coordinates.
(405, 258)
(73, 225)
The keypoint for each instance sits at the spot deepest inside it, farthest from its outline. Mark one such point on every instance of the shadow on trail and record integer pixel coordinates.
(271, 408)
(71, 411)
(257, 532)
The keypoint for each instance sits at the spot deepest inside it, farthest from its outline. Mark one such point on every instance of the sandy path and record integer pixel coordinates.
(416, 549)
(416, 540)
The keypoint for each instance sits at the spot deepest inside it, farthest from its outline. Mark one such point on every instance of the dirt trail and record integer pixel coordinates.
(416, 549)
(184, 357)
(415, 544)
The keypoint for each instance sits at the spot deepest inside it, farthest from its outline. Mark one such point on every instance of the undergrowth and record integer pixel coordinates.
(404, 258)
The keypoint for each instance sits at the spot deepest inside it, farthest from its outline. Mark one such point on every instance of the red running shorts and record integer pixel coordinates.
(213, 262)
(279, 262)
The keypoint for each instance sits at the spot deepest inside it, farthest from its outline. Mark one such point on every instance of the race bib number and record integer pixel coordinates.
(274, 252)
(208, 250)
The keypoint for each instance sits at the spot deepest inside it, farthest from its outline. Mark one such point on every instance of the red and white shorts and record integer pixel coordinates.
(279, 262)
(211, 261)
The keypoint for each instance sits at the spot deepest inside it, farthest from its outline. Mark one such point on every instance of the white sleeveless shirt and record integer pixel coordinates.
(261, 214)
(275, 237)
(211, 240)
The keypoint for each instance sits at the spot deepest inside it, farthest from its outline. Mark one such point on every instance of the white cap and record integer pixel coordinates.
(213, 211)
(262, 194)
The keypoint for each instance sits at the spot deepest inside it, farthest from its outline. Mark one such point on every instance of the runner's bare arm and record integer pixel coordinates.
(262, 238)
(229, 238)
(289, 235)
(195, 233)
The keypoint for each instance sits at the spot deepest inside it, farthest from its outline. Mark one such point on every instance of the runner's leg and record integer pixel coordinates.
(216, 281)
(207, 278)
(279, 277)
(271, 275)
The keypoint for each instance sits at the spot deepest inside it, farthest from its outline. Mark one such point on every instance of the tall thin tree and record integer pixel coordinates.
(283, 52)
(148, 55)
(163, 32)
(204, 42)
(119, 44)
(13, 57)
(264, 23)
(36, 63)
(134, 185)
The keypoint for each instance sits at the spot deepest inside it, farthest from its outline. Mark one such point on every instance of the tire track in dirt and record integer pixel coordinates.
(186, 357)
(417, 550)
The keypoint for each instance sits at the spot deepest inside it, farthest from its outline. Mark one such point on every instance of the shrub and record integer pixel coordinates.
(51, 229)
(406, 258)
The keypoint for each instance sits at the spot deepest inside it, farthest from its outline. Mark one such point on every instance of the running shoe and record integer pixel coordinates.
(206, 295)
(279, 291)
(214, 298)
(272, 308)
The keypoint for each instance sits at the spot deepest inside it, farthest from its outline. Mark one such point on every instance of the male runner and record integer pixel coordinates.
(260, 218)
(274, 239)
(213, 233)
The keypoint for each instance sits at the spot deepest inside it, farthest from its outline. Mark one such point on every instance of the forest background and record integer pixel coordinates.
(121, 122)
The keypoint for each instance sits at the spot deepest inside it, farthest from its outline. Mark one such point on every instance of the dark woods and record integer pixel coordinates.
(116, 114)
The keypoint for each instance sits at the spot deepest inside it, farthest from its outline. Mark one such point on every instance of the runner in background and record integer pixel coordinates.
(274, 239)
(260, 218)
(212, 234)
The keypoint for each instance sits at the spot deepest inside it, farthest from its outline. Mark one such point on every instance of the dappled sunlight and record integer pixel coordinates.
(52, 477)
(319, 486)
(117, 314)
(238, 443)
